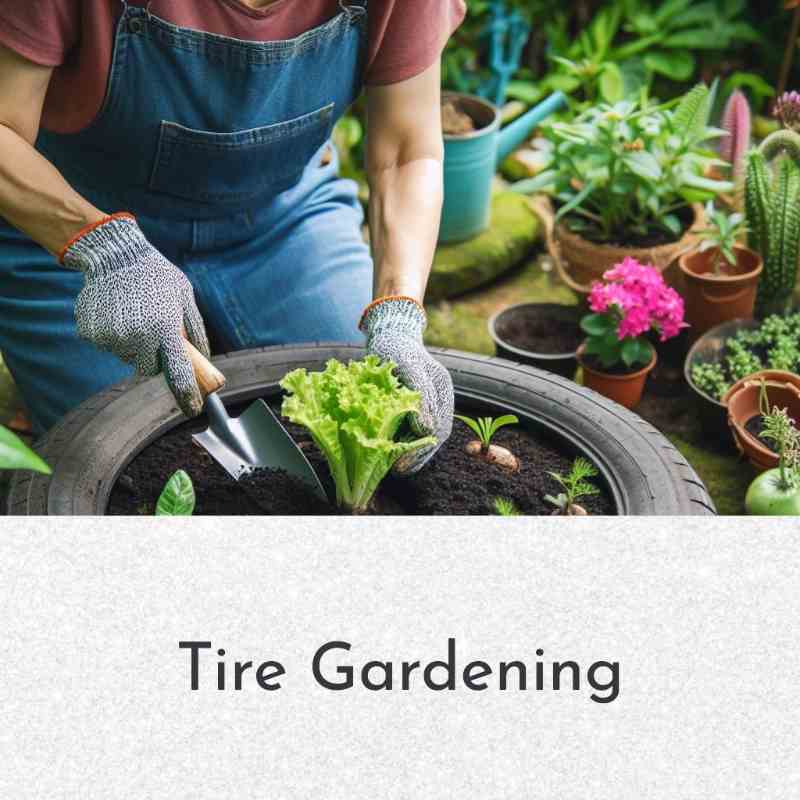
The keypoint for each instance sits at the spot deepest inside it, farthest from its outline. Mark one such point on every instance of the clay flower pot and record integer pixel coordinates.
(743, 402)
(581, 262)
(713, 299)
(623, 389)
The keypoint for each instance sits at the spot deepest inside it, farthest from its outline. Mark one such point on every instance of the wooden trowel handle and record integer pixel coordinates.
(209, 378)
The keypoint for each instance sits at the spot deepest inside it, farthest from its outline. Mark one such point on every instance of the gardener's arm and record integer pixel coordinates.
(404, 168)
(34, 197)
(134, 303)
(404, 165)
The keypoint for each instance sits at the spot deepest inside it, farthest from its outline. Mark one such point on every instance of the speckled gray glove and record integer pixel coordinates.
(135, 303)
(394, 327)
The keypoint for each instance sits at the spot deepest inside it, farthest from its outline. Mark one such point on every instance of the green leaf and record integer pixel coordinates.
(643, 164)
(630, 352)
(597, 324)
(612, 83)
(576, 201)
(177, 499)
(538, 183)
(678, 65)
(15, 454)
(354, 412)
(502, 422)
(525, 91)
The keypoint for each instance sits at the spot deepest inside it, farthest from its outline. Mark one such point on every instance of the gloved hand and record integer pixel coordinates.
(394, 326)
(135, 304)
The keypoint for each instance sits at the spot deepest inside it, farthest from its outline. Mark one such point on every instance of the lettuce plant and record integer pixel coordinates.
(353, 413)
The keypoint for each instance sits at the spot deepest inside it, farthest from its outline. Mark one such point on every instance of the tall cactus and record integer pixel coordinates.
(737, 122)
(772, 199)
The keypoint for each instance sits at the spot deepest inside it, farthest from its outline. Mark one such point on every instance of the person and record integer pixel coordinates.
(166, 171)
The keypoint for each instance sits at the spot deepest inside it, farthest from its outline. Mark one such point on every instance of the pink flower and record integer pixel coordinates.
(637, 295)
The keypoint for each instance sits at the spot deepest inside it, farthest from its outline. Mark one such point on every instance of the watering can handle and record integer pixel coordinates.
(209, 378)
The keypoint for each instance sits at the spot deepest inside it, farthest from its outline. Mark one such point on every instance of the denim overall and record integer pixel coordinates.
(218, 145)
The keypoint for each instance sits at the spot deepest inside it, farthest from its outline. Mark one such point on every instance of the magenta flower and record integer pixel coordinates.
(637, 295)
(787, 110)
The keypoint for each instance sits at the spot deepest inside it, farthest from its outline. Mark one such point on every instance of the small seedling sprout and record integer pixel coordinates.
(486, 427)
(575, 484)
(505, 508)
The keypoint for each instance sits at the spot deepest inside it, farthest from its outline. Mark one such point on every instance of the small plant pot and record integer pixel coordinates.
(580, 262)
(710, 349)
(516, 331)
(743, 404)
(623, 389)
(713, 299)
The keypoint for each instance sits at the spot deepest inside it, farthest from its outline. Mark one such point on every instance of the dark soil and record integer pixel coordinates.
(453, 483)
(455, 120)
(755, 427)
(542, 334)
(654, 238)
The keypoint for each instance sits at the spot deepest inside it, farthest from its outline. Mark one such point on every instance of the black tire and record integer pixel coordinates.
(91, 446)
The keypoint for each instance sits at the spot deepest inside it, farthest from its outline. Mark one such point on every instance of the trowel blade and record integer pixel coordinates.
(257, 439)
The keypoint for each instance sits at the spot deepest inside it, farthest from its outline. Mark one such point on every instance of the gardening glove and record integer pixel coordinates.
(394, 326)
(135, 304)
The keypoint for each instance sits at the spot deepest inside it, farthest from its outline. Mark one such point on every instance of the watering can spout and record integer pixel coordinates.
(514, 135)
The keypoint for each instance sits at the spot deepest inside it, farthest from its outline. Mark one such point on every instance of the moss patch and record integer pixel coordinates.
(459, 268)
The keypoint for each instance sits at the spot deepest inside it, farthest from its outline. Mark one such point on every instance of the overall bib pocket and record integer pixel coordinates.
(208, 167)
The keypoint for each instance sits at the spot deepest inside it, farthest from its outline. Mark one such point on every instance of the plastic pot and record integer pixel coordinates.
(623, 389)
(560, 363)
(743, 403)
(710, 348)
(713, 299)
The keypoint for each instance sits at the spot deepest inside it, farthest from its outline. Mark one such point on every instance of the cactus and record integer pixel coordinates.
(773, 214)
(737, 122)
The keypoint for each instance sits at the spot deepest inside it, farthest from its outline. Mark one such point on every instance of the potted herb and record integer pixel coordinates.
(616, 356)
(749, 402)
(736, 350)
(629, 180)
(776, 492)
(720, 276)
(574, 485)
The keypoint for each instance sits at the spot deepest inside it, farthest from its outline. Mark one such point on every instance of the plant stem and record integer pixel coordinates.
(788, 55)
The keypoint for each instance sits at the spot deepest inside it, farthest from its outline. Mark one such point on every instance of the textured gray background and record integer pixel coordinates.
(703, 615)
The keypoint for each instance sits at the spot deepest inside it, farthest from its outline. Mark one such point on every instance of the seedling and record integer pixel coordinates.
(575, 485)
(354, 413)
(505, 508)
(177, 498)
(485, 428)
(776, 492)
(723, 233)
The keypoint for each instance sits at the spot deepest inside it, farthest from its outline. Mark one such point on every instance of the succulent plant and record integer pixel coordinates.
(772, 199)
(737, 121)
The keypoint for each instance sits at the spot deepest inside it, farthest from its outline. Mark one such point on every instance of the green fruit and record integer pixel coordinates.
(768, 497)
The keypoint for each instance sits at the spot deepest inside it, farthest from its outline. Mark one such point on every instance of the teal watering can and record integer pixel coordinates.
(471, 160)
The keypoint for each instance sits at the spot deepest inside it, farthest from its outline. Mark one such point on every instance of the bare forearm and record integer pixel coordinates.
(34, 196)
(405, 208)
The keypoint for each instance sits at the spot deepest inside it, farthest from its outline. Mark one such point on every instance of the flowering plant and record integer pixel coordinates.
(632, 300)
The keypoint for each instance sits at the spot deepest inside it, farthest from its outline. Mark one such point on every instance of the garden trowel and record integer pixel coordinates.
(254, 440)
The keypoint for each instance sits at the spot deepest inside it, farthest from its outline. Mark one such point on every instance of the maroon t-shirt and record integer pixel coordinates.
(76, 37)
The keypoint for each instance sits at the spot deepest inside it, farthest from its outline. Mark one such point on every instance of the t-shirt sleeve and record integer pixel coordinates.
(409, 36)
(43, 31)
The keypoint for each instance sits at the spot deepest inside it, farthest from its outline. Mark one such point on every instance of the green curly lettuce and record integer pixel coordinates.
(353, 413)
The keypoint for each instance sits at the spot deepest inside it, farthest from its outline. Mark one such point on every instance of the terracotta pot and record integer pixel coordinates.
(713, 299)
(743, 402)
(580, 262)
(623, 389)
